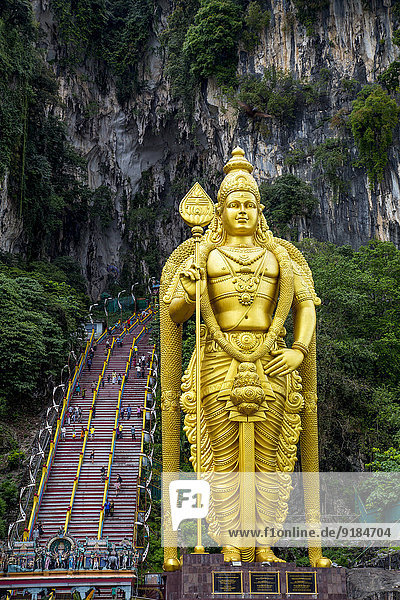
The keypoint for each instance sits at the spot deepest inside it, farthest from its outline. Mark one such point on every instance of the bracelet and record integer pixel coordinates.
(188, 300)
(301, 347)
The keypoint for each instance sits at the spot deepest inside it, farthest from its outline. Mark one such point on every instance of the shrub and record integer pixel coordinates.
(385, 460)
(330, 158)
(183, 82)
(295, 157)
(373, 119)
(307, 11)
(396, 37)
(15, 459)
(286, 199)
(255, 20)
(390, 77)
(211, 42)
(276, 93)
(117, 32)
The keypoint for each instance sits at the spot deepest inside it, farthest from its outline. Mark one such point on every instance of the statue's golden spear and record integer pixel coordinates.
(197, 210)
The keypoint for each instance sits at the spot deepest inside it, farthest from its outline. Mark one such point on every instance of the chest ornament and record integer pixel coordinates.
(244, 281)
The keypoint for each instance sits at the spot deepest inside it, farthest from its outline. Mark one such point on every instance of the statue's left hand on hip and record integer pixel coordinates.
(284, 362)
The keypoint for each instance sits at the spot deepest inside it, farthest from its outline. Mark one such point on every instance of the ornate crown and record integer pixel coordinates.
(238, 178)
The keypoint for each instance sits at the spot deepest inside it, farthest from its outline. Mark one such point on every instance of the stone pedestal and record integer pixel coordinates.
(207, 577)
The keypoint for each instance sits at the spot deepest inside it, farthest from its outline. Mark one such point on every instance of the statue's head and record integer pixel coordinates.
(239, 190)
(238, 179)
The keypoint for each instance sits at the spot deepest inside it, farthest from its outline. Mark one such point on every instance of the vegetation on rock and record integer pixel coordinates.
(47, 179)
(287, 199)
(183, 82)
(307, 12)
(211, 41)
(330, 158)
(202, 41)
(256, 20)
(373, 119)
(117, 32)
(276, 94)
(390, 76)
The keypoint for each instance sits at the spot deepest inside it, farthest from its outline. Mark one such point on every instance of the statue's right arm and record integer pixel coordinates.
(183, 302)
(181, 307)
(184, 299)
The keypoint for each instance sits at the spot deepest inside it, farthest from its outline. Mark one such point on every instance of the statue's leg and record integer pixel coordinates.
(224, 439)
(267, 436)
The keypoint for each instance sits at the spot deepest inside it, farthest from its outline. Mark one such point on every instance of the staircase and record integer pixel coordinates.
(126, 455)
(87, 504)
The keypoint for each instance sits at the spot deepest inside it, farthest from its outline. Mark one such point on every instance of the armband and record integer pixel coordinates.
(301, 347)
(188, 300)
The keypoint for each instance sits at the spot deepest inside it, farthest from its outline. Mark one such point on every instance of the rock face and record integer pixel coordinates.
(373, 584)
(145, 147)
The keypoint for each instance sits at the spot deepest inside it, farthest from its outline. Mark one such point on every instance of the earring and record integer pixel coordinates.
(217, 230)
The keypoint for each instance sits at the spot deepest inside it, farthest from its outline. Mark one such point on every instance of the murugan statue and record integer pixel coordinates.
(258, 397)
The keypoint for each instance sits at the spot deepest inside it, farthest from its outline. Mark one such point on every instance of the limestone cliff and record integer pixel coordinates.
(144, 147)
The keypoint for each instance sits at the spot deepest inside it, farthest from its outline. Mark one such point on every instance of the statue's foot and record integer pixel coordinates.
(172, 564)
(323, 562)
(266, 555)
(231, 553)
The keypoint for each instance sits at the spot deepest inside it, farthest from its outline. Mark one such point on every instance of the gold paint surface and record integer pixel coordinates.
(256, 397)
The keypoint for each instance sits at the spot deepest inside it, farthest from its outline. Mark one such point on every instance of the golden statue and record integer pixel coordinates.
(256, 396)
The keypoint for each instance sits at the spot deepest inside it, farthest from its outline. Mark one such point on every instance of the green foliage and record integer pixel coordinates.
(63, 269)
(118, 32)
(385, 460)
(285, 200)
(211, 42)
(52, 188)
(15, 459)
(343, 557)
(183, 82)
(358, 328)
(330, 158)
(47, 178)
(348, 84)
(155, 557)
(373, 119)
(17, 65)
(38, 315)
(390, 76)
(255, 20)
(383, 490)
(277, 93)
(8, 500)
(102, 205)
(294, 157)
(140, 217)
(307, 12)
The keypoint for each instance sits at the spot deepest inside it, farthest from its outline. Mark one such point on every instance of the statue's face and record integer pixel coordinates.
(240, 214)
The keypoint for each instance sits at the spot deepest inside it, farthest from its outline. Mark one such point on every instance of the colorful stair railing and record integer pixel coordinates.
(85, 438)
(53, 444)
(144, 496)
